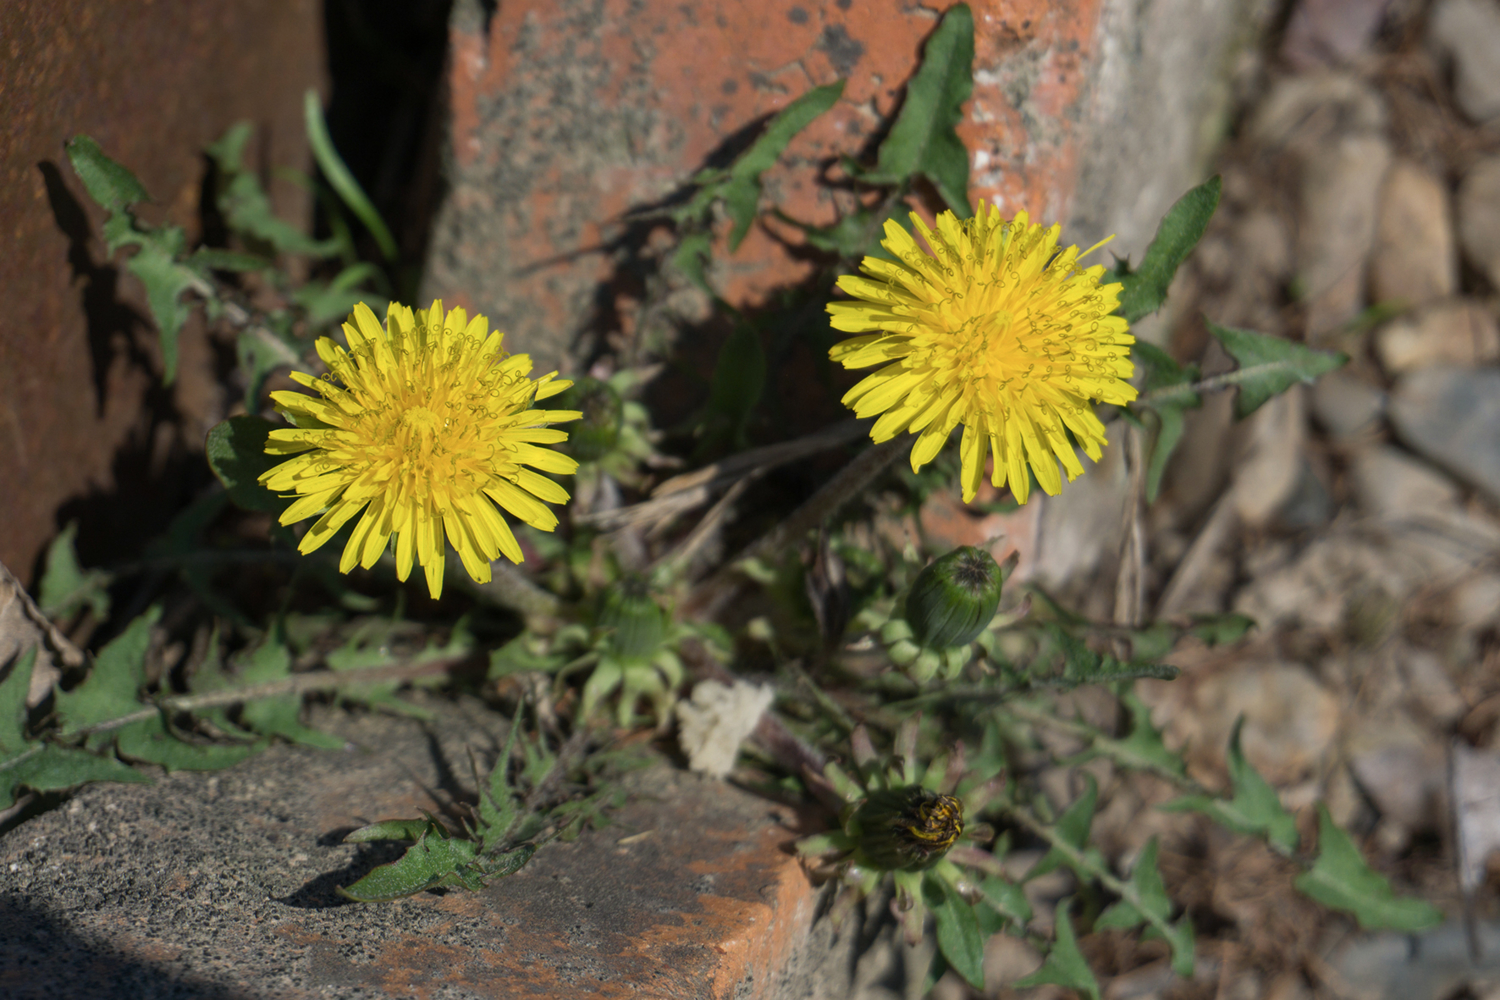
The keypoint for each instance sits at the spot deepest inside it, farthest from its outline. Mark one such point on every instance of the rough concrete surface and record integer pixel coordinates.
(222, 886)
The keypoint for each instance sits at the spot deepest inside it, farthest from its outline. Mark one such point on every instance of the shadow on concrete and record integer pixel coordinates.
(40, 959)
(320, 893)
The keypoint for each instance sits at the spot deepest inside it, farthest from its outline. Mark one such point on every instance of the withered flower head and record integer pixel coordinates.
(907, 829)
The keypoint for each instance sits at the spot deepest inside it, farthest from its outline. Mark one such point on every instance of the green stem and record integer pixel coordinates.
(1214, 382)
(1114, 749)
(1079, 861)
(321, 680)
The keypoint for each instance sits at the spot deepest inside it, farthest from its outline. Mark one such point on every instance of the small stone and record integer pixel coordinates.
(1393, 486)
(1452, 332)
(1479, 217)
(1306, 110)
(1450, 415)
(1290, 719)
(1404, 775)
(1347, 406)
(1341, 184)
(1468, 32)
(1329, 32)
(1414, 260)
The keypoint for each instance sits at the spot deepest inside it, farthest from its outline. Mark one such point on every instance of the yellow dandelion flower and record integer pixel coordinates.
(426, 425)
(993, 328)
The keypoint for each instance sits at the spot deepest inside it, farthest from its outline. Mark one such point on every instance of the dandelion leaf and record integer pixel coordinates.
(1221, 630)
(1270, 365)
(1341, 880)
(1168, 393)
(151, 742)
(741, 187)
(958, 932)
(1254, 808)
(107, 182)
(1180, 230)
(1064, 965)
(1073, 830)
(923, 139)
(54, 768)
(66, 586)
(279, 715)
(112, 687)
(236, 450)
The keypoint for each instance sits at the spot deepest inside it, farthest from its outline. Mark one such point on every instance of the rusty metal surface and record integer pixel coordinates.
(86, 430)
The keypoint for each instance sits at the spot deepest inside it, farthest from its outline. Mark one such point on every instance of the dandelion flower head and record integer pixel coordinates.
(426, 426)
(992, 327)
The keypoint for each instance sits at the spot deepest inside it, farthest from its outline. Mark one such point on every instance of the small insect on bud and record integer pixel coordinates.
(906, 829)
(954, 598)
(594, 436)
(636, 621)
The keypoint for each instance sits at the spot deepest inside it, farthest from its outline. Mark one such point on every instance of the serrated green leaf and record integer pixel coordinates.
(236, 451)
(1341, 880)
(434, 861)
(150, 741)
(112, 688)
(741, 188)
(692, 255)
(107, 182)
(923, 139)
(213, 259)
(1180, 230)
(1270, 365)
(1064, 965)
(1254, 809)
(499, 806)
(958, 933)
(389, 829)
(66, 586)
(738, 384)
(1146, 879)
(54, 768)
(339, 176)
(1167, 393)
(13, 691)
(281, 715)
(166, 280)
(1081, 665)
(325, 303)
(517, 656)
(1221, 630)
(1073, 830)
(1144, 746)
(1008, 899)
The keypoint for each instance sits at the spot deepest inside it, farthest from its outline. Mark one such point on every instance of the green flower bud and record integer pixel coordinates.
(597, 433)
(953, 599)
(637, 622)
(906, 829)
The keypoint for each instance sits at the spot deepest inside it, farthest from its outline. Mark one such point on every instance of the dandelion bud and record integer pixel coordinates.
(636, 621)
(596, 434)
(906, 828)
(953, 599)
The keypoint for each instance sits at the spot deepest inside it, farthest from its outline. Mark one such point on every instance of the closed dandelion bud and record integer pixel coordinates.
(636, 622)
(906, 829)
(597, 433)
(953, 599)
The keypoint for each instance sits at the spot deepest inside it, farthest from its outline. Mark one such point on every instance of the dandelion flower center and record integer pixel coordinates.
(426, 426)
(992, 327)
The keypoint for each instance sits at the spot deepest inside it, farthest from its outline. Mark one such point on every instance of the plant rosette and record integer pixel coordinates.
(899, 819)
